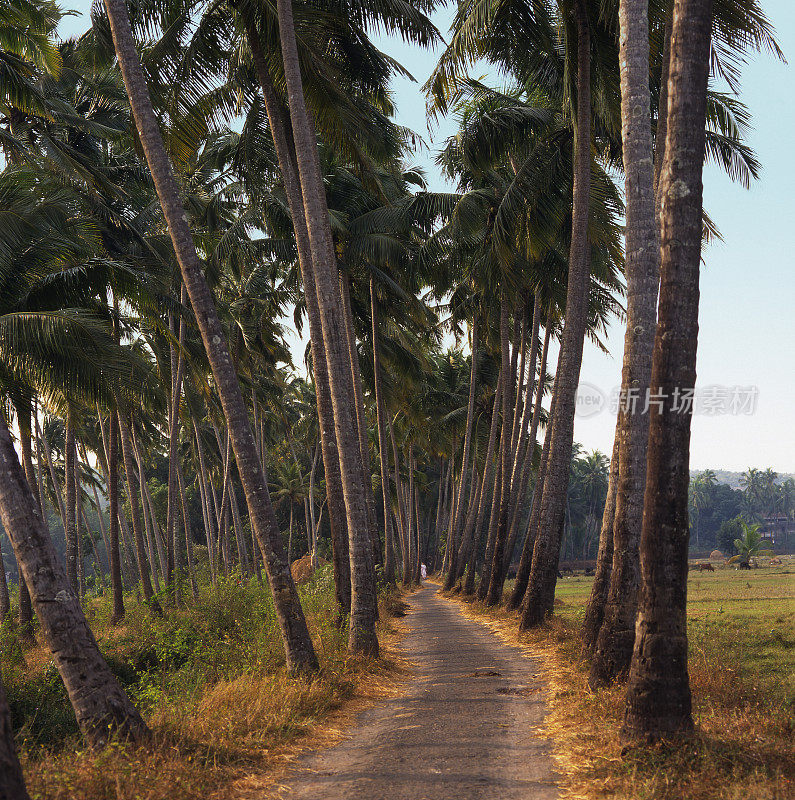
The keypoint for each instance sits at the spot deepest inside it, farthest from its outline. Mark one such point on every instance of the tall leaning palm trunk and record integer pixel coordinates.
(298, 647)
(100, 704)
(658, 695)
(285, 154)
(540, 592)
(362, 635)
(613, 649)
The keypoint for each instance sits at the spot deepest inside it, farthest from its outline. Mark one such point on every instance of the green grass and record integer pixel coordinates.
(747, 616)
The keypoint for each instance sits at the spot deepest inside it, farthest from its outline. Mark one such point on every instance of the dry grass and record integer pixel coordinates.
(230, 737)
(741, 675)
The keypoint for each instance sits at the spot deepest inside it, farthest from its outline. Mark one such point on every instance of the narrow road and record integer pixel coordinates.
(463, 729)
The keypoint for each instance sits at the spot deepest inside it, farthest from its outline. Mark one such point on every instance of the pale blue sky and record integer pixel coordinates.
(747, 319)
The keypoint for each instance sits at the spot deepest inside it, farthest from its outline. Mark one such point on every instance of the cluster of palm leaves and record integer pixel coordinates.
(185, 183)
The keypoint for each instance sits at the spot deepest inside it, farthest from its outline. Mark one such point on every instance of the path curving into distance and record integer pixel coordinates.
(464, 729)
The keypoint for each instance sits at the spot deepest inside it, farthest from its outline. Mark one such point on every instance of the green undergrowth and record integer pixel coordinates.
(210, 680)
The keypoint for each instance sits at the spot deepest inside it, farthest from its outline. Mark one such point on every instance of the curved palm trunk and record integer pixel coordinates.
(12, 782)
(658, 695)
(101, 706)
(546, 551)
(362, 634)
(613, 649)
(299, 651)
(380, 413)
(458, 516)
(285, 153)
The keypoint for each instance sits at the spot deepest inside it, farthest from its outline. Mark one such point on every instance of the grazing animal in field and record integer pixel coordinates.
(744, 565)
(706, 568)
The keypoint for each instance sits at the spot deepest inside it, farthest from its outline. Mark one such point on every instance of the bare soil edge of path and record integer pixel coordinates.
(385, 680)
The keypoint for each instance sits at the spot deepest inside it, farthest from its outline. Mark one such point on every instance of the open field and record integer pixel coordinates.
(742, 669)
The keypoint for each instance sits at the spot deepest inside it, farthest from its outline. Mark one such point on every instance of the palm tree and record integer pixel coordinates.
(298, 645)
(362, 635)
(289, 487)
(658, 693)
(750, 544)
(613, 647)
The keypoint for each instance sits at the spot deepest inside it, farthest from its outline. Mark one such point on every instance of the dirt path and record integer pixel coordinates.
(463, 730)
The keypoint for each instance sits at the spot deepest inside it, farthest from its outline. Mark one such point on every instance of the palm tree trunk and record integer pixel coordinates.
(285, 153)
(546, 552)
(658, 695)
(362, 635)
(613, 650)
(153, 532)
(526, 561)
(455, 528)
(525, 446)
(101, 706)
(56, 486)
(488, 469)
(519, 405)
(5, 598)
(135, 513)
(12, 781)
(290, 536)
(594, 611)
(364, 446)
(177, 370)
(380, 413)
(209, 526)
(25, 611)
(299, 652)
(117, 590)
(183, 500)
(70, 531)
(494, 592)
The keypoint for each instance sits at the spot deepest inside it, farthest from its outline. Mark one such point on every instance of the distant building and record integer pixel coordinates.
(777, 529)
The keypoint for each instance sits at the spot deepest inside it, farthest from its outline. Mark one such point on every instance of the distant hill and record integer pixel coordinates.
(732, 479)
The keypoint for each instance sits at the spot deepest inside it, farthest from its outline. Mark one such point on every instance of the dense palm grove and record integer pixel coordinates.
(187, 181)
